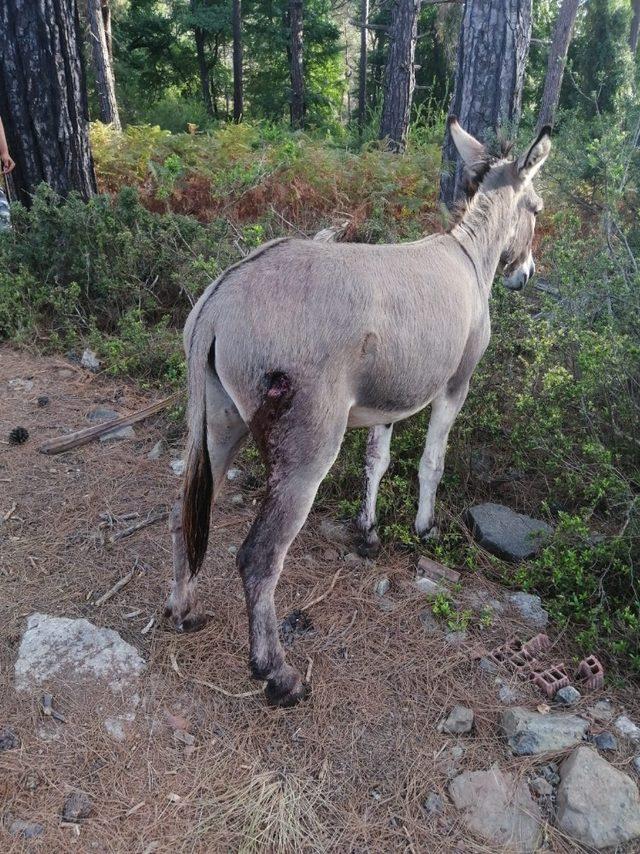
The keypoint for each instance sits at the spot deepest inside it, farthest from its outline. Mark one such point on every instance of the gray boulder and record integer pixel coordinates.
(505, 533)
(498, 808)
(530, 609)
(530, 733)
(598, 805)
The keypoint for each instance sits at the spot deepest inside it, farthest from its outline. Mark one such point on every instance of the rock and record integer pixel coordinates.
(636, 764)
(26, 829)
(429, 623)
(330, 555)
(20, 384)
(237, 500)
(89, 360)
(433, 804)
(507, 695)
(233, 550)
(101, 662)
(119, 433)
(426, 585)
(43, 400)
(455, 639)
(550, 773)
(178, 467)
(602, 711)
(530, 733)
(568, 696)
(542, 787)
(598, 805)
(606, 741)
(505, 533)
(234, 474)
(8, 739)
(382, 586)
(460, 720)
(498, 808)
(334, 532)
(102, 413)
(488, 666)
(385, 604)
(77, 806)
(530, 609)
(156, 452)
(353, 559)
(627, 728)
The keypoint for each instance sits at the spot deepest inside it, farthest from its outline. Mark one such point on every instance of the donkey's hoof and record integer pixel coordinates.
(432, 533)
(368, 548)
(185, 621)
(286, 692)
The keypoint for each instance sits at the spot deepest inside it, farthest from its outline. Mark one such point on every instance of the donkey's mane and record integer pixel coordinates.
(473, 180)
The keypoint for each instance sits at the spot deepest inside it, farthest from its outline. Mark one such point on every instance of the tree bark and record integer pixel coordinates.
(43, 97)
(400, 78)
(635, 27)
(492, 52)
(102, 66)
(238, 100)
(203, 70)
(362, 65)
(557, 60)
(106, 21)
(295, 52)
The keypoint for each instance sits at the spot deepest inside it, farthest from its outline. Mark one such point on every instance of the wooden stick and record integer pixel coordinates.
(242, 696)
(138, 526)
(116, 587)
(319, 599)
(88, 434)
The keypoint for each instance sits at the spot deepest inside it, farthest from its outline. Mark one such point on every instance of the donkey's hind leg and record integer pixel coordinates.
(226, 432)
(377, 462)
(300, 446)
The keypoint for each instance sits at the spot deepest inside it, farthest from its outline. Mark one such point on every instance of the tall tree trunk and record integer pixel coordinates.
(557, 59)
(400, 78)
(362, 65)
(635, 27)
(238, 101)
(43, 97)
(106, 21)
(102, 66)
(295, 53)
(203, 71)
(492, 52)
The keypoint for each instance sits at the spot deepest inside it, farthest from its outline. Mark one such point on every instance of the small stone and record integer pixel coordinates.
(606, 741)
(178, 467)
(455, 639)
(429, 623)
(119, 433)
(636, 764)
(26, 829)
(233, 550)
(234, 474)
(627, 728)
(488, 665)
(89, 360)
(507, 695)
(505, 533)
(353, 559)
(460, 720)
(43, 400)
(568, 696)
(530, 609)
(426, 585)
(550, 773)
(330, 555)
(385, 605)
(598, 805)
(382, 586)
(20, 385)
(77, 806)
(156, 452)
(8, 739)
(602, 711)
(237, 500)
(542, 787)
(433, 804)
(334, 532)
(102, 413)
(529, 733)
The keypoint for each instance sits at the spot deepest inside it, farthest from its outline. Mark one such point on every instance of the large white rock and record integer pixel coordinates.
(498, 808)
(70, 657)
(597, 804)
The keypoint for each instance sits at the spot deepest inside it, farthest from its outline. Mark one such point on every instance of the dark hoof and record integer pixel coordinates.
(185, 623)
(285, 694)
(368, 548)
(429, 534)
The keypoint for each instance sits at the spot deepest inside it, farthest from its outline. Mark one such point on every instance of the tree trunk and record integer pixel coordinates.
(295, 52)
(43, 97)
(106, 22)
(492, 52)
(400, 78)
(362, 65)
(238, 105)
(102, 66)
(203, 71)
(557, 59)
(635, 27)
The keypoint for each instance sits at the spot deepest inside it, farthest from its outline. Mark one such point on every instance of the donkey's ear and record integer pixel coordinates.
(472, 152)
(530, 163)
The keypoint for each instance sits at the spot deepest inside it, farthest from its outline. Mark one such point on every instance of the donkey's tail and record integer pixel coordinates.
(198, 480)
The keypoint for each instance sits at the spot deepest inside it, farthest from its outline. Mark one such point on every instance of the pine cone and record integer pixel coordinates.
(18, 436)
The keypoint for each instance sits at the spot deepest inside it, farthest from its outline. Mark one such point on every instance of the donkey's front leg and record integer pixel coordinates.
(444, 410)
(377, 461)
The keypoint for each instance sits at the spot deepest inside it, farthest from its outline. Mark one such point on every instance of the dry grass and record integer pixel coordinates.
(346, 771)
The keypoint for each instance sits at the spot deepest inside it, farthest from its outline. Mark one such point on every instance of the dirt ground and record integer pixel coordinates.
(346, 771)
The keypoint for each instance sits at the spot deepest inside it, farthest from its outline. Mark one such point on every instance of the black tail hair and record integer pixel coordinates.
(196, 501)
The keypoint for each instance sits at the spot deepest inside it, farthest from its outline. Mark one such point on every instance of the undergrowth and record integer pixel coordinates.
(550, 425)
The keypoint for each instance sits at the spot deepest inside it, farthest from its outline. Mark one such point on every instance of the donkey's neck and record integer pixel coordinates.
(483, 230)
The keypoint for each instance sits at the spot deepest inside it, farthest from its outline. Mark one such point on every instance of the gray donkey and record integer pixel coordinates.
(302, 340)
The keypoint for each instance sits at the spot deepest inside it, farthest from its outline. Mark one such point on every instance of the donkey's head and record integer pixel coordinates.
(486, 172)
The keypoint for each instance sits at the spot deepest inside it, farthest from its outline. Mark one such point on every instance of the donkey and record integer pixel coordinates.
(302, 340)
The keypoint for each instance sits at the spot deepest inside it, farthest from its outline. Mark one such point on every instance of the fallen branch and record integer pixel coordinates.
(321, 598)
(242, 696)
(138, 526)
(88, 434)
(116, 587)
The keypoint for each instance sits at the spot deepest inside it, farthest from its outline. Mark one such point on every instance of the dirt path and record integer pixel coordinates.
(348, 770)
